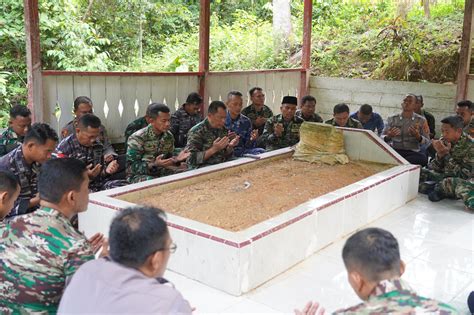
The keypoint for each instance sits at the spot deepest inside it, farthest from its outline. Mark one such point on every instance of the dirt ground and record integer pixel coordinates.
(237, 201)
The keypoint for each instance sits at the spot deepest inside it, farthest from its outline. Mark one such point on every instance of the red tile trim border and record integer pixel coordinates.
(274, 229)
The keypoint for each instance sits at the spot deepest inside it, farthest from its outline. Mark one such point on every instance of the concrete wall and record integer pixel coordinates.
(384, 96)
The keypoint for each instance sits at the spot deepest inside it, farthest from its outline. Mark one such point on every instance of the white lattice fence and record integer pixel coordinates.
(275, 84)
(118, 99)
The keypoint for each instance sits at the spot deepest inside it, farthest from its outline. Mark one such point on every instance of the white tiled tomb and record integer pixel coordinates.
(236, 262)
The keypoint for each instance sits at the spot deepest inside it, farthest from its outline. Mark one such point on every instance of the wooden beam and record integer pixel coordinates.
(33, 60)
(465, 53)
(204, 34)
(306, 50)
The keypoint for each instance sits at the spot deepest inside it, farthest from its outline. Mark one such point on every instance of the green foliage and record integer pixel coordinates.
(374, 43)
(351, 38)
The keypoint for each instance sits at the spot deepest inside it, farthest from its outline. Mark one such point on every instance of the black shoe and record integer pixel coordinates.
(436, 196)
(426, 187)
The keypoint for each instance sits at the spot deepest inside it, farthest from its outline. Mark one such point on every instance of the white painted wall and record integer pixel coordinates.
(384, 96)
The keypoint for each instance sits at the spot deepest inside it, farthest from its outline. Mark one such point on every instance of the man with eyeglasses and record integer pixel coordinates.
(131, 279)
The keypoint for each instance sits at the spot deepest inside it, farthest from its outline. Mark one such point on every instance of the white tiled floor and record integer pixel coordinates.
(436, 241)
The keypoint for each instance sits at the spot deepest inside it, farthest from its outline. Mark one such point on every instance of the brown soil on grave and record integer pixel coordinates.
(237, 201)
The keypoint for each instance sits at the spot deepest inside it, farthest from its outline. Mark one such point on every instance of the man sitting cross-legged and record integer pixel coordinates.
(209, 142)
(25, 162)
(18, 125)
(40, 250)
(85, 146)
(374, 268)
(342, 118)
(241, 125)
(130, 280)
(82, 106)
(186, 117)
(283, 130)
(257, 111)
(307, 110)
(150, 150)
(407, 132)
(450, 173)
(369, 119)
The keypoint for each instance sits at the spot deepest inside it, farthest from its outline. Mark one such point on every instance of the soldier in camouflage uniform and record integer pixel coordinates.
(209, 141)
(19, 123)
(150, 150)
(40, 250)
(241, 125)
(185, 118)
(283, 130)
(374, 268)
(408, 133)
(257, 111)
(450, 173)
(307, 110)
(83, 105)
(342, 118)
(84, 146)
(465, 109)
(25, 161)
(134, 126)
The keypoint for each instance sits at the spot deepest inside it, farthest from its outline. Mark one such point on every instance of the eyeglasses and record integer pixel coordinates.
(173, 247)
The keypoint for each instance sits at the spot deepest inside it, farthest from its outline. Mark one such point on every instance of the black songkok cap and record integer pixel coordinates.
(290, 100)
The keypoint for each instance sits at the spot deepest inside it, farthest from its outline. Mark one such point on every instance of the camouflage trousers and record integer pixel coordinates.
(451, 187)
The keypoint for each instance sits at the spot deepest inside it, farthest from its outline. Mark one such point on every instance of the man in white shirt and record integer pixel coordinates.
(130, 279)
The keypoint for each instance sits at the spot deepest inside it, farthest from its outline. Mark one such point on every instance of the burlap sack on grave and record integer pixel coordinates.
(321, 143)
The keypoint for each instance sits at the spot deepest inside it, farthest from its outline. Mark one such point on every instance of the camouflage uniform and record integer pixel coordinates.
(252, 113)
(289, 137)
(454, 172)
(181, 123)
(28, 176)
(134, 126)
(396, 297)
(70, 128)
(314, 118)
(143, 148)
(70, 147)
(243, 127)
(38, 252)
(201, 138)
(351, 123)
(9, 140)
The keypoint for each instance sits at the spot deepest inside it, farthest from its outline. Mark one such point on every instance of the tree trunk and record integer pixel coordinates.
(281, 23)
(403, 6)
(88, 11)
(426, 8)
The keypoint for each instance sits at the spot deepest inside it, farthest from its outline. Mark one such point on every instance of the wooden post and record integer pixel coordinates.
(33, 60)
(465, 53)
(306, 50)
(204, 33)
